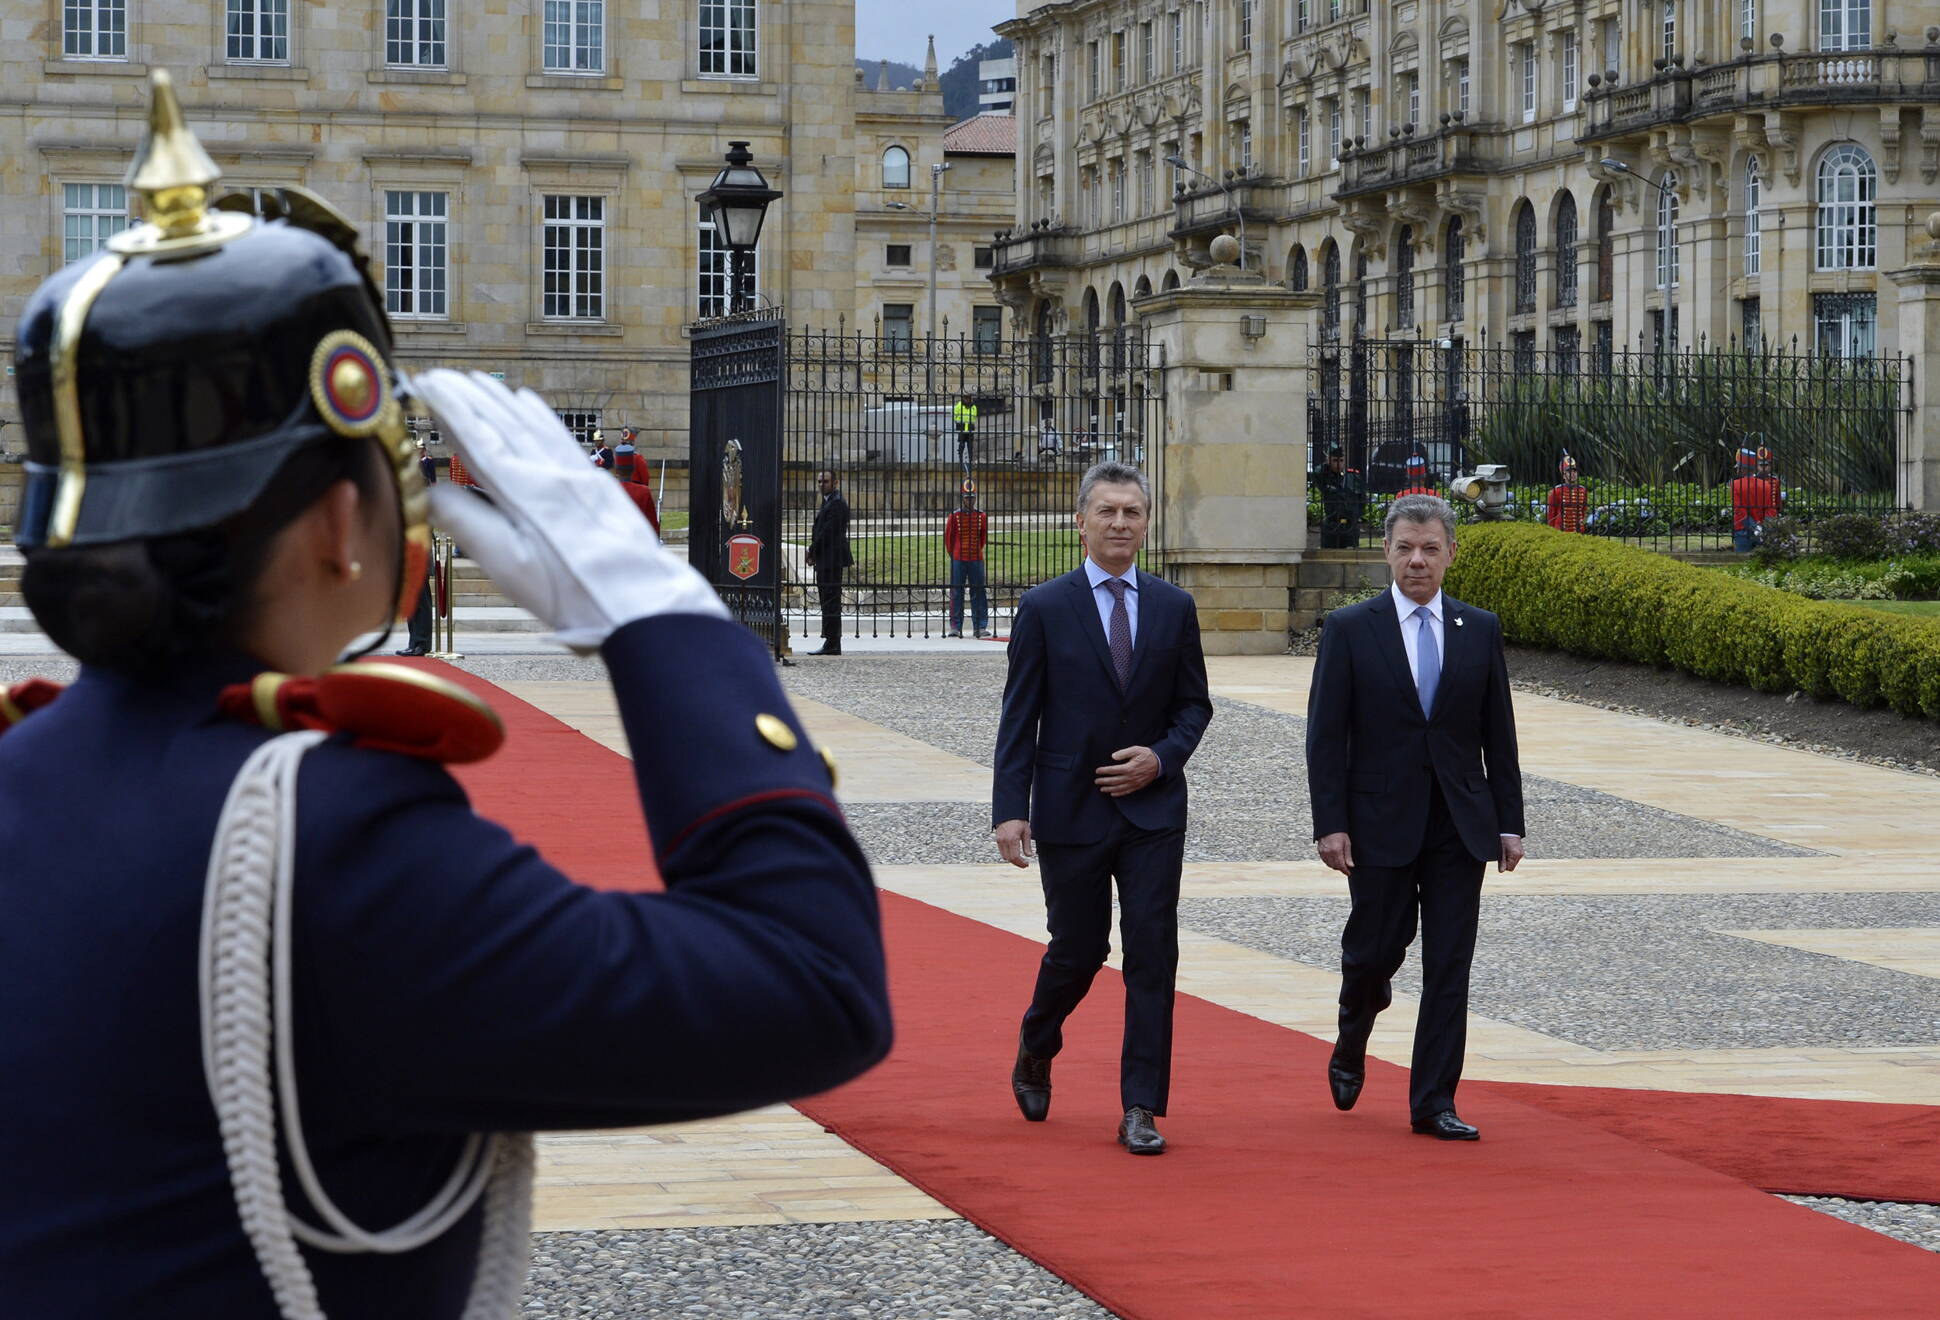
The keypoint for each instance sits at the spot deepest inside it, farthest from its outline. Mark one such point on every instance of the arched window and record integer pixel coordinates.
(1170, 282)
(1297, 269)
(1667, 231)
(1404, 277)
(1606, 246)
(1454, 299)
(1754, 186)
(1330, 290)
(1143, 289)
(1117, 303)
(1091, 328)
(1525, 258)
(895, 168)
(1846, 229)
(1566, 251)
(1360, 295)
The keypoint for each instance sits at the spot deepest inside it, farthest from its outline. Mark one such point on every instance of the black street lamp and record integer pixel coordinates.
(738, 201)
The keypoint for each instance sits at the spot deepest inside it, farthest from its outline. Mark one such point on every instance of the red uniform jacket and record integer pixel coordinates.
(1568, 506)
(1754, 499)
(964, 534)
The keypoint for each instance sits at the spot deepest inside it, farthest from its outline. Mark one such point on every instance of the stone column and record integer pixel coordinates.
(1919, 310)
(1231, 471)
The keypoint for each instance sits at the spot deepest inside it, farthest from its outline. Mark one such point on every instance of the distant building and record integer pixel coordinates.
(996, 86)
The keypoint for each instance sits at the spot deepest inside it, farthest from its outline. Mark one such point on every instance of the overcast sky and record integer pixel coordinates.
(897, 29)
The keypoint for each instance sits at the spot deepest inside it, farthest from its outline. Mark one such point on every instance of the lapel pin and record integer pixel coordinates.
(1458, 621)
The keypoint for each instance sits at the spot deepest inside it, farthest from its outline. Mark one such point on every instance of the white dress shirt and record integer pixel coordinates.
(1411, 629)
(1103, 598)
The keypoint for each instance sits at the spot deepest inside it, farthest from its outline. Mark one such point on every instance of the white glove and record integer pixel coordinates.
(556, 535)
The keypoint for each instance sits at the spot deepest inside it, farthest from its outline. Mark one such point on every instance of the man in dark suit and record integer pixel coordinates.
(1411, 765)
(1105, 701)
(828, 555)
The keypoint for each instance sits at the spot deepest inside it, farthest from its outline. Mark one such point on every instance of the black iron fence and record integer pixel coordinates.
(906, 421)
(1678, 449)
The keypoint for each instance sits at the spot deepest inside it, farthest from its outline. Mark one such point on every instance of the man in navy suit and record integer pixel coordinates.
(1411, 765)
(1105, 701)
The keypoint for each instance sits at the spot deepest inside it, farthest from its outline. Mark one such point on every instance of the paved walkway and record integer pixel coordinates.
(1870, 830)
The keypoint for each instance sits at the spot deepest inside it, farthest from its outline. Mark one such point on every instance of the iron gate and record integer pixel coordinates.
(886, 414)
(734, 456)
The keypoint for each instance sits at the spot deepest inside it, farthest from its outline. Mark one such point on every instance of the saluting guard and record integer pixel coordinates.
(273, 1025)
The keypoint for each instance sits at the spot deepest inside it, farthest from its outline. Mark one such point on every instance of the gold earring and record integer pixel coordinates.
(356, 570)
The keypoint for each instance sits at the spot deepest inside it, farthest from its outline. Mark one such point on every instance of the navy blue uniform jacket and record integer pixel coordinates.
(1371, 751)
(1064, 714)
(447, 979)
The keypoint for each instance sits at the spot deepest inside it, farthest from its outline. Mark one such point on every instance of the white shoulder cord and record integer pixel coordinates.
(246, 938)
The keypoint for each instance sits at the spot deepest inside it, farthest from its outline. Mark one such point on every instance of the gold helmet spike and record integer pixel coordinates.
(173, 174)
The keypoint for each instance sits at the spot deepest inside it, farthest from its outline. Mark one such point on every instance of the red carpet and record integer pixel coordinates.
(1272, 1204)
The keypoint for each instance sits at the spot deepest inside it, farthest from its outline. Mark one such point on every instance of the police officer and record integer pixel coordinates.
(1342, 492)
(221, 496)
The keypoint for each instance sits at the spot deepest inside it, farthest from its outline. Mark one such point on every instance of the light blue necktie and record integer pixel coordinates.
(1428, 661)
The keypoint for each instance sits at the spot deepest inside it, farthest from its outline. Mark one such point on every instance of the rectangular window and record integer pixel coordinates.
(716, 270)
(1411, 99)
(259, 30)
(727, 39)
(1118, 61)
(1748, 20)
(91, 214)
(983, 258)
(1245, 25)
(1843, 324)
(1754, 240)
(575, 258)
(1303, 15)
(1461, 86)
(1568, 344)
(1522, 349)
(1047, 83)
(1117, 171)
(1333, 11)
(575, 36)
(414, 34)
(1603, 346)
(1244, 135)
(415, 253)
(1303, 129)
(1145, 176)
(1178, 21)
(1333, 134)
(581, 423)
(986, 328)
(1572, 71)
(1148, 55)
(1845, 24)
(1750, 326)
(1364, 113)
(898, 327)
(94, 29)
(1091, 59)
(1670, 28)
(1526, 55)
(897, 254)
(1612, 45)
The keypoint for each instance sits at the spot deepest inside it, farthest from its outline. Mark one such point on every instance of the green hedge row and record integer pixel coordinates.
(1602, 598)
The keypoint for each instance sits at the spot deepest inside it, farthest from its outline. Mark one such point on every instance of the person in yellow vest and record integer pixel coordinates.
(964, 414)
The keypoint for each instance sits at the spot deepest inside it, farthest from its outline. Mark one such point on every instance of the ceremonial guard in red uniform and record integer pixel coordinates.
(274, 1026)
(1755, 496)
(1569, 499)
(1418, 482)
(965, 533)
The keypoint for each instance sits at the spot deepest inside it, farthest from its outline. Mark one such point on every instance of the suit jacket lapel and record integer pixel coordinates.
(1148, 609)
(1454, 648)
(1086, 605)
(1387, 640)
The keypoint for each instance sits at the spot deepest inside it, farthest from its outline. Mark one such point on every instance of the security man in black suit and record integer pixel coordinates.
(828, 555)
(1104, 703)
(1412, 769)
(280, 905)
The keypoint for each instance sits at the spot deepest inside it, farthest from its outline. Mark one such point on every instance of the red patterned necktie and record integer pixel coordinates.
(1121, 631)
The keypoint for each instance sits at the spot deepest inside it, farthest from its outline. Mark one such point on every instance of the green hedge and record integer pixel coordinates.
(1602, 598)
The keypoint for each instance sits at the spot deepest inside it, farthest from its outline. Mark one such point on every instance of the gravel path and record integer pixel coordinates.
(1648, 973)
(1248, 778)
(941, 1269)
(1918, 1224)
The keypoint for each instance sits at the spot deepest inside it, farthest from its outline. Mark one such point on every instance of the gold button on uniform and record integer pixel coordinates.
(828, 763)
(775, 732)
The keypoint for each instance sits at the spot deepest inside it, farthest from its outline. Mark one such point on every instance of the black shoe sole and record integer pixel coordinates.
(1447, 1136)
(1150, 1150)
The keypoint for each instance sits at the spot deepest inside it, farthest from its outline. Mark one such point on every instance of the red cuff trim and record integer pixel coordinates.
(752, 800)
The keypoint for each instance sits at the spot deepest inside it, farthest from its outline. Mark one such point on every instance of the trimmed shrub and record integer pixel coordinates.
(1601, 598)
(1852, 536)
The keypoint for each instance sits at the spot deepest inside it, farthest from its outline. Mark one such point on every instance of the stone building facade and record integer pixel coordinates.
(1562, 176)
(524, 171)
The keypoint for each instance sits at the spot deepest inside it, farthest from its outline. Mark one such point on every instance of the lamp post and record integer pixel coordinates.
(1669, 240)
(738, 201)
(1225, 186)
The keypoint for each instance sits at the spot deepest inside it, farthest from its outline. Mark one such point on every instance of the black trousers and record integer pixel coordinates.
(828, 587)
(1443, 886)
(420, 623)
(1077, 900)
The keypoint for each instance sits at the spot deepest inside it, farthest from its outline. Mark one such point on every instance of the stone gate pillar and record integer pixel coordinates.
(1232, 466)
(1919, 310)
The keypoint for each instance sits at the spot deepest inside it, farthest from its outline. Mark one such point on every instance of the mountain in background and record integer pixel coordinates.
(959, 80)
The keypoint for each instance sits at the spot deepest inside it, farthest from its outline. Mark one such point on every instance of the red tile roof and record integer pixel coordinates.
(986, 135)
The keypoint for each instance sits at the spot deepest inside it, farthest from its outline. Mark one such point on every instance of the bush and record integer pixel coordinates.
(1852, 536)
(1601, 598)
(1820, 577)
(1779, 540)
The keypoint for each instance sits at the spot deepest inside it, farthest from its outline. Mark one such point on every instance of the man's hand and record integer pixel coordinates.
(1014, 842)
(1511, 852)
(1135, 768)
(1337, 851)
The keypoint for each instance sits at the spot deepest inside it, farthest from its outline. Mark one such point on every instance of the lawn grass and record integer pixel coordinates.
(1011, 558)
(1925, 609)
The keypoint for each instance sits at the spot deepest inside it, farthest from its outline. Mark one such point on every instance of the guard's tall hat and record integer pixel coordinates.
(165, 382)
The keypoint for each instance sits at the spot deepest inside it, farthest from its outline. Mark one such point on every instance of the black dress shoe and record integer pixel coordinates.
(414, 650)
(1030, 1082)
(1446, 1127)
(1344, 1078)
(1137, 1134)
(826, 648)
